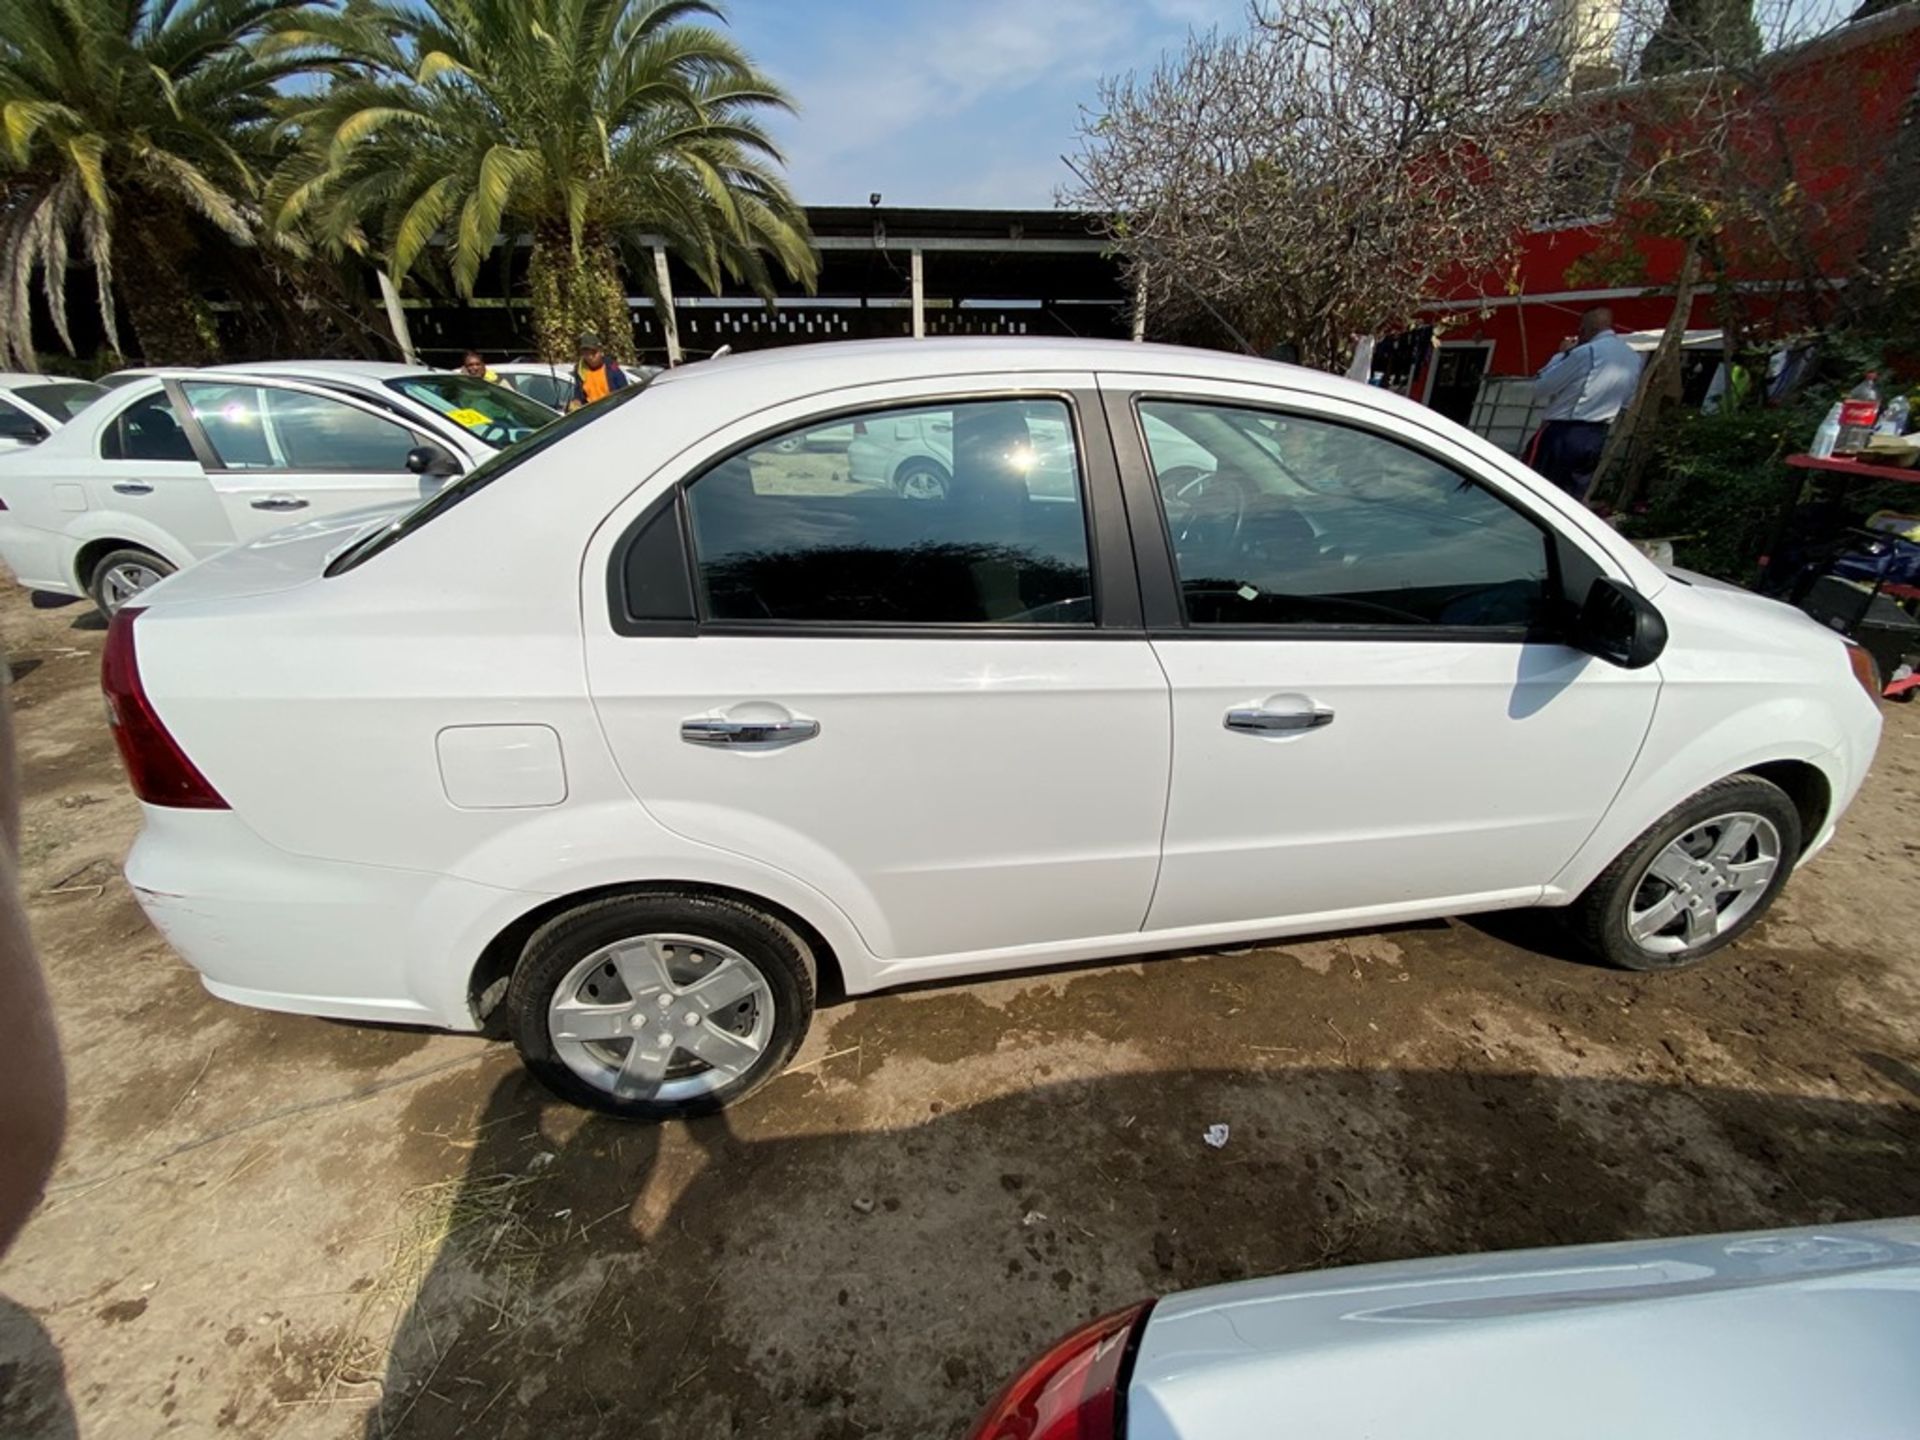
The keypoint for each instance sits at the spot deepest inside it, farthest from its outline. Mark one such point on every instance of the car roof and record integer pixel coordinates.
(795, 370)
(13, 379)
(326, 369)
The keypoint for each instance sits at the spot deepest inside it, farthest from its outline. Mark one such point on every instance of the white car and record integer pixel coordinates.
(551, 385)
(624, 741)
(170, 467)
(1770, 1335)
(912, 452)
(32, 406)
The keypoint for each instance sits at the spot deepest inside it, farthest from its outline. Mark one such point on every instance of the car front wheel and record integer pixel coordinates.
(655, 1007)
(1696, 880)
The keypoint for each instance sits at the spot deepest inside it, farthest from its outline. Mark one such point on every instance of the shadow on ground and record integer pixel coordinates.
(594, 1278)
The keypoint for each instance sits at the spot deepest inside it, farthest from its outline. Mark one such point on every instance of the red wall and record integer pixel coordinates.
(1835, 104)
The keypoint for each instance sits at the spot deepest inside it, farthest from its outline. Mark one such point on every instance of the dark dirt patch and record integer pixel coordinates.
(120, 1312)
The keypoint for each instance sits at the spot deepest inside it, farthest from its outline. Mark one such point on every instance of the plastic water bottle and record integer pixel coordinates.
(1859, 413)
(1828, 435)
(1893, 419)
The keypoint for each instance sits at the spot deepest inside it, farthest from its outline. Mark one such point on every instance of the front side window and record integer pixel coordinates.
(960, 513)
(492, 413)
(552, 390)
(266, 427)
(1296, 521)
(148, 429)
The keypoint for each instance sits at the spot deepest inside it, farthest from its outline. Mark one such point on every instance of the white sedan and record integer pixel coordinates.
(32, 406)
(1771, 1335)
(625, 740)
(169, 467)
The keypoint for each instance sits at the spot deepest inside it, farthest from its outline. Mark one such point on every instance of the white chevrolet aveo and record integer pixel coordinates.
(623, 741)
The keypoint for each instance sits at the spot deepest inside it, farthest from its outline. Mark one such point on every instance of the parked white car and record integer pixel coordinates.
(625, 739)
(1774, 1335)
(551, 385)
(32, 406)
(170, 467)
(913, 452)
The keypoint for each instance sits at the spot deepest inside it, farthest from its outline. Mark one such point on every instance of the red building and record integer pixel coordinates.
(1828, 115)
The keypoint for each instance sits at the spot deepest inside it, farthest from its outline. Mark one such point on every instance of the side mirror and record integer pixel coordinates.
(432, 462)
(1619, 625)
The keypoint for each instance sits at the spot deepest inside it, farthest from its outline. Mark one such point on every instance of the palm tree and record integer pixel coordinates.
(585, 124)
(131, 132)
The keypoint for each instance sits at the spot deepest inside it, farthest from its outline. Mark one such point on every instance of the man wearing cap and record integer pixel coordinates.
(595, 377)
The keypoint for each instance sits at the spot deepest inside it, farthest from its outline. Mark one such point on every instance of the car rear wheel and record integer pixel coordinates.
(119, 575)
(1696, 880)
(921, 480)
(654, 1007)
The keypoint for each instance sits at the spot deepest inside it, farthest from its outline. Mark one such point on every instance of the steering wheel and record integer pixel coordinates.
(1215, 506)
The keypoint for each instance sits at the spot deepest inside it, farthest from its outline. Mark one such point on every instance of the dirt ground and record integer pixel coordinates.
(273, 1226)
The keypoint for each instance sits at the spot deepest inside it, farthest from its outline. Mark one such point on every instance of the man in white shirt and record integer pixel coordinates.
(1585, 386)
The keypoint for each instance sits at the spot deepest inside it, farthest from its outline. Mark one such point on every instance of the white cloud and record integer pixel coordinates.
(936, 100)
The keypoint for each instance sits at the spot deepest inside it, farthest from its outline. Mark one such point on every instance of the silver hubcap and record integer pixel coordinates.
(922, 485)
(124, 581)
(661, 1017)
(1704, 883)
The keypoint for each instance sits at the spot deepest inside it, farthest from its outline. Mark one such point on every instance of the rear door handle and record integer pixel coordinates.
(279, 502)
(1269, 722)
(749, 734)
(133, 487)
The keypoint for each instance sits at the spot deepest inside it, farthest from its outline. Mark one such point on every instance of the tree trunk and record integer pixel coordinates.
(1623, 463)
(171, 326)
(579, 292)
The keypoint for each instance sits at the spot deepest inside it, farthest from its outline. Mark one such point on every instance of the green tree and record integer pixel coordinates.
(132, 131)
(584, 124)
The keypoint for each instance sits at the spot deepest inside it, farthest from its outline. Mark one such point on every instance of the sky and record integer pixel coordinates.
(949, 102)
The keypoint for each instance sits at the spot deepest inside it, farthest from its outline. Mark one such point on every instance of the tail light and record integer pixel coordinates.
(1865, 670)
(1076, 1391)
(159, 769)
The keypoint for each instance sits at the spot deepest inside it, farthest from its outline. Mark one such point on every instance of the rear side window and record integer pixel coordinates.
(148, 429)
(64, 398)
(18, 426)
(962, 513)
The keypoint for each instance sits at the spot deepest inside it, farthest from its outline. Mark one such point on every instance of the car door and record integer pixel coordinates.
(142, 464)
(1373, 710)
(278, 451)
(922, 707)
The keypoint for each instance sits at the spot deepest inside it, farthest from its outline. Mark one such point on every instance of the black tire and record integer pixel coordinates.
(557, 947)
(106, 599)
(1599, 916)
(921, 480)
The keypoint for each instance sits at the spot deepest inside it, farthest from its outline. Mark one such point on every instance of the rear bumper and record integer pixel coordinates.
(315, 937)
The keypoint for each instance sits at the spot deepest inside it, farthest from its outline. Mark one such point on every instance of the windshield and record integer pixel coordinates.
(62, 399)
(476, 480)
(492, 413)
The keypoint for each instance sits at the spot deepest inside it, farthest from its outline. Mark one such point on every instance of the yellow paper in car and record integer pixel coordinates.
(472, 419)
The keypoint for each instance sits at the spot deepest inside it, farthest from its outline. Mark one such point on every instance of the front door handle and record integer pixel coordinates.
(1269, 722)
(279, 502)
(133, 487)
(762, 734)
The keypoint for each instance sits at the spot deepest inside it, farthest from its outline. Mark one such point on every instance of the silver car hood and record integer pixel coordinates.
(1803, 1333)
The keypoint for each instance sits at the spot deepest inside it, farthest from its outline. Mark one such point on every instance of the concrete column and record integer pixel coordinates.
(919, 298)
(669, 322)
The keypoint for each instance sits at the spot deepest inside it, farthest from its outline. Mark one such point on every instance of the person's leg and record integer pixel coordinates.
(1549, 455)
(1581, 451)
